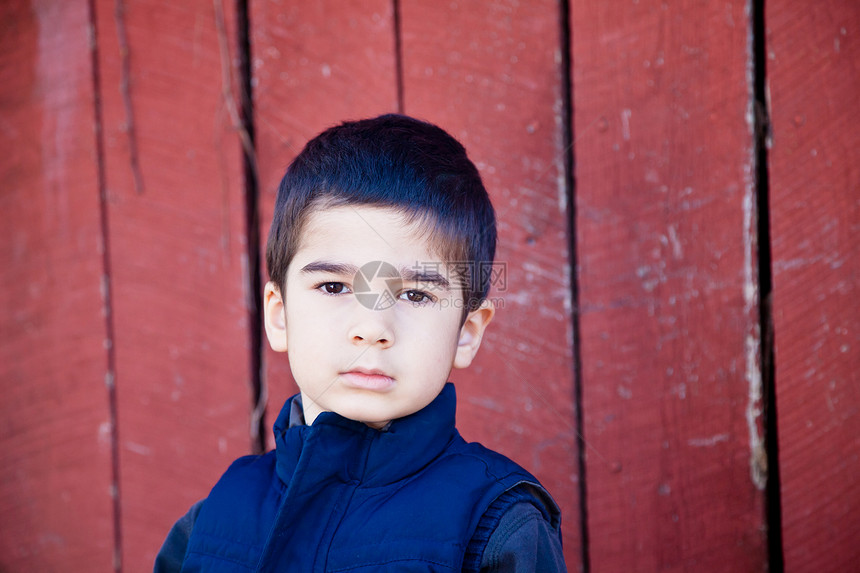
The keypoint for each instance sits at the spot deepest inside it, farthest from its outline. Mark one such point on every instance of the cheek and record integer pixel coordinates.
(305, 329)
(308, 328)
(309, 349)
(438, 352)
(300, 307)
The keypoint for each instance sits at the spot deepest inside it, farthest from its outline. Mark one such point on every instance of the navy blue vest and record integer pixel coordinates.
(340, 496)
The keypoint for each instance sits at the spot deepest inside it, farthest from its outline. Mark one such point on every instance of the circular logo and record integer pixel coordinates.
(376, 285)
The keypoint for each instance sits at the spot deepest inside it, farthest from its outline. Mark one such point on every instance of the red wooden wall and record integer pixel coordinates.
(815, 213)
(56, 477)
(619, 143)
(668, 287)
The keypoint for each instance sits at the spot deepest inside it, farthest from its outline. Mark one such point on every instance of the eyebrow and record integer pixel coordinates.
(412, 275)
(329, 268)
(407, 274)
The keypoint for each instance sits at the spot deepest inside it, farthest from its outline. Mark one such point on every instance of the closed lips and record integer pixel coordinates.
(367, 379)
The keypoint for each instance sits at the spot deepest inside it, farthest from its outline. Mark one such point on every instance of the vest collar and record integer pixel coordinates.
(337, 448)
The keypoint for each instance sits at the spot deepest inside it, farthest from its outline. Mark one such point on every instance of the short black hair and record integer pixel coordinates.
(396, 162)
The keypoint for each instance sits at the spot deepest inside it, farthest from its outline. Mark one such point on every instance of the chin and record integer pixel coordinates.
(369, 416)
(377, 425)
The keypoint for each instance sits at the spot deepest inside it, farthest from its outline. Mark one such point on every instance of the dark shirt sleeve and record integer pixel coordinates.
(523, 542)
(172, 553)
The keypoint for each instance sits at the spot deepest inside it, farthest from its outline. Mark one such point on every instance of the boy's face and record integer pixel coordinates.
(371, 316)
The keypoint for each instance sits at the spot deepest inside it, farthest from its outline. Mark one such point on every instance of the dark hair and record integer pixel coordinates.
(396, 162)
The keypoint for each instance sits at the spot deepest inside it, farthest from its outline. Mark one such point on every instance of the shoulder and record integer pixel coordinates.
(244, 473)
(524, 533)
(496, 465)
(520, 529)
(231, 519)
(249, 482)
(523, 542)
(514, 483)
(172, 552)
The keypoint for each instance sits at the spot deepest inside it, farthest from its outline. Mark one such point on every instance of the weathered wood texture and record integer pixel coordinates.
(815, 230)
(489, 73)
(55, 436)
(314, 66)
(176, 240)
(154, 297)
(665, 236)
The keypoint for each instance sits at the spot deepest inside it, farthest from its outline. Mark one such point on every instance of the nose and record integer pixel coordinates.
(371, 327)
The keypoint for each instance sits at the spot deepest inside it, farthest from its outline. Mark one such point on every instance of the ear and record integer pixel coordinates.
(275, 317)
(472, 332)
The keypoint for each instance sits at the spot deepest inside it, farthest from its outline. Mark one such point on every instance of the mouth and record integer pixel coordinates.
(367, 379)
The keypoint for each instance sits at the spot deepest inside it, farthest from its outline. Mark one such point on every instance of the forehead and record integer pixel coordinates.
(363, 233)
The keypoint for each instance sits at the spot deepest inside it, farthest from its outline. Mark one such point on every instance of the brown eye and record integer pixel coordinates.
(333, 288)
(416, 296)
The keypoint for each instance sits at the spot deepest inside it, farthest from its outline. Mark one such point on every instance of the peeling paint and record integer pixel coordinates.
(139, 449)
(560, 175)
(752, 350)
(677, 248)
(708, 442)
(58, 79)
(625, 124)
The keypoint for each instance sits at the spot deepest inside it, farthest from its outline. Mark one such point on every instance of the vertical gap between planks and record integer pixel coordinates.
(566, 49)
(107, 304)
(398, 54)
(252, 231)
(773, 502)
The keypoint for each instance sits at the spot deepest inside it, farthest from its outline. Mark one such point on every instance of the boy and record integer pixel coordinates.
(377, 255)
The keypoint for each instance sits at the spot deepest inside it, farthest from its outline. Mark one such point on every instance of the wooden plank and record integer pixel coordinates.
(489, 73)
(815, 228)
(666, 244)
(55, 446)
(174, 183)
(315, 64)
